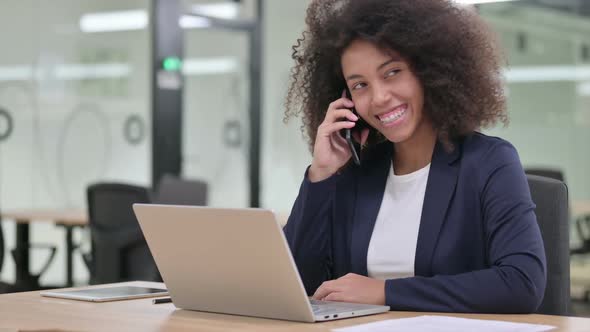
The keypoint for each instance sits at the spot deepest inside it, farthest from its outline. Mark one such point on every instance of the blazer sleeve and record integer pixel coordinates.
(308, 231)
(515, 280)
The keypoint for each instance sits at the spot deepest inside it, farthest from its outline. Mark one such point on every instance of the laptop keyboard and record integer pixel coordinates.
(324, 308)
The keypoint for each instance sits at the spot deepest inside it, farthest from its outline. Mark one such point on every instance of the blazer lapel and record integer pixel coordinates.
(440, 189)
(369, 194)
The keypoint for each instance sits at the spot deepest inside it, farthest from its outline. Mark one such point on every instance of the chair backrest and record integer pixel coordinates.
(1, 246)
(552, 173)
(4, 287)
(177, 191)
(551, 198)
(119, 250)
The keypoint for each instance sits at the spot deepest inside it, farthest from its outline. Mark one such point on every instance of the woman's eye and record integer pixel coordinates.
(358, 86)
(392, 72)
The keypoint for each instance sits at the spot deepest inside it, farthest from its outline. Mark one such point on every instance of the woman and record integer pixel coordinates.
(438, 217)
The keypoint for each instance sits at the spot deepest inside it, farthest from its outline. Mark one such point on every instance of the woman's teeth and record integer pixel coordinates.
(393, 116)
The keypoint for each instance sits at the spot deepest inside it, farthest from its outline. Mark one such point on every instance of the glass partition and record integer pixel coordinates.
(547, 81)
(74, 108)
(216, 105)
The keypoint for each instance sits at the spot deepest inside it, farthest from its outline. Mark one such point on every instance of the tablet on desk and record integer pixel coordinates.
(104, 294)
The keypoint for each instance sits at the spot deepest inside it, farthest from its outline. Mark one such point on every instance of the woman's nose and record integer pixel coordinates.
(381, 96)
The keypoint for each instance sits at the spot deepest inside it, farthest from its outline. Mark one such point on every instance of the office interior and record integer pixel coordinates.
(79, 79)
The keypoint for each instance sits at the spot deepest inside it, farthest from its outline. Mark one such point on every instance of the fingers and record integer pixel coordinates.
(330, 128)
(336, 297)
(337, 114)
(332, 286)
(325, 289)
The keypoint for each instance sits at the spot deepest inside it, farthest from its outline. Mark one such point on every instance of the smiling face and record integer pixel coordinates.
(385, 91)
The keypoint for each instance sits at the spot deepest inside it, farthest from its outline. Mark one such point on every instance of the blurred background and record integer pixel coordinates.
(127, 91)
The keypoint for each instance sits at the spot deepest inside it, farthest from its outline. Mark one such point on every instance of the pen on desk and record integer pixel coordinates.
(162, 300)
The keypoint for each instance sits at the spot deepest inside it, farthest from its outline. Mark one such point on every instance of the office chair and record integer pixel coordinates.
(582, 223)
(551, 199)
(177, 191)
(4, 287)
(119, 250)
(552, 173)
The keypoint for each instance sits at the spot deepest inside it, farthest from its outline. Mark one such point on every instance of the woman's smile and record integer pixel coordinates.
(395, 117)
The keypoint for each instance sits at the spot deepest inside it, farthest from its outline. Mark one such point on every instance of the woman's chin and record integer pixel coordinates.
(397, 137)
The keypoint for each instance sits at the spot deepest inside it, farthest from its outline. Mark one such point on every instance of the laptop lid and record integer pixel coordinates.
(233, 261)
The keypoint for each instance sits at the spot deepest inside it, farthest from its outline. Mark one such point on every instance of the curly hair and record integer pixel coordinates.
(449, 48)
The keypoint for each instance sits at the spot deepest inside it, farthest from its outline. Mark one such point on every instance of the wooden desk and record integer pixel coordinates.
(30, 311)
(68, 218)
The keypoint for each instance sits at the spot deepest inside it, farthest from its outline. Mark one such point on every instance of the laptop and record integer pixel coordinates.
(233, 261)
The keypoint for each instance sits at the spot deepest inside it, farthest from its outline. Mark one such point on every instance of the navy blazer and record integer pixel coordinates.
(479, 246)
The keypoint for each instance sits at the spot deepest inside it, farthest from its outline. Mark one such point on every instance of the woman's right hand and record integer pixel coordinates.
(331, 151)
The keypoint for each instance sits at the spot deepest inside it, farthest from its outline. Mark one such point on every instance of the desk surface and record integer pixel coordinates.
(71, 217)
(79, 217)
(30, 311)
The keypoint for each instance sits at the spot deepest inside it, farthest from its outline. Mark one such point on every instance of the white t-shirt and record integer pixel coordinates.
(392, 248)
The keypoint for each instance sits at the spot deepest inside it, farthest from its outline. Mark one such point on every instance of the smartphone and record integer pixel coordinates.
(355, 147)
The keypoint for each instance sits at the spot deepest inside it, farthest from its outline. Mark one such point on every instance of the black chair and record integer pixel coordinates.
(1, 246)
(582, 223)
(119, 250)
(4, 287)
(551, 199)
(548, 172)
(177, 191)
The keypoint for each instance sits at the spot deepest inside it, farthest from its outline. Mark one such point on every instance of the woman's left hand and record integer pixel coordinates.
(352, 288)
